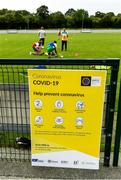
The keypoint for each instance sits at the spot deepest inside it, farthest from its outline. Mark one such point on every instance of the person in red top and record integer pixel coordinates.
(37, 49)
(59, 34)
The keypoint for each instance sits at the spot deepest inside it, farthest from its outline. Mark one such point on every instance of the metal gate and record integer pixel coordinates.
(14, 102)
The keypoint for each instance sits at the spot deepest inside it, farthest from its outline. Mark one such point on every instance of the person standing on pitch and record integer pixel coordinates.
(42, 35)
(64, 39)
(59, 34)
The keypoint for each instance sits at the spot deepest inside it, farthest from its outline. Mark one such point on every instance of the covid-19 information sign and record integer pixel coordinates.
(66, 111)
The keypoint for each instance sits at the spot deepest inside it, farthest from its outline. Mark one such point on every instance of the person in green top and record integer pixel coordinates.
(52, 49)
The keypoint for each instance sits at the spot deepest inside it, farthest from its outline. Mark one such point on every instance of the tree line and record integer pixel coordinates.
(22, 19)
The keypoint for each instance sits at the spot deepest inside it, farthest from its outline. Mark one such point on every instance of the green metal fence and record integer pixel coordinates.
(118, 132)
(14, 102)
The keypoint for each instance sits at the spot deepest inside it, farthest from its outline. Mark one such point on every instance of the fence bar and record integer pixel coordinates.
(110, 114)
(118, 132)
(105, 62)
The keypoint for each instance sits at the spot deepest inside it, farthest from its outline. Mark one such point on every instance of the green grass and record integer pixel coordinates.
(8, 139)
(80, 45)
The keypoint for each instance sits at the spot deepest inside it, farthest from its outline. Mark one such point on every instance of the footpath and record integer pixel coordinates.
(24, 170)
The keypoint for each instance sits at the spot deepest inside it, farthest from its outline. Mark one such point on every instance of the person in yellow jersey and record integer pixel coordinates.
(64, 39)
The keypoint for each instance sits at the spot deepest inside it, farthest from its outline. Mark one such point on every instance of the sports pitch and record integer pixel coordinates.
(80, 45)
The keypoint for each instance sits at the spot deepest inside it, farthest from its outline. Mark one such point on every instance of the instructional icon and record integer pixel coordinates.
(38, 120)
(38, 103)
(80, 105)
(59, 120)
(79, 121)
(59, 104)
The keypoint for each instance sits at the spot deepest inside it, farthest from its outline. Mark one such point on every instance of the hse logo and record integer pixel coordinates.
(86, 81)
(37, 160)
(34, 160)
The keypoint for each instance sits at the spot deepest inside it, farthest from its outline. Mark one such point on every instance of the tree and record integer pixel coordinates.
(116, 21)
(69, 17)
(80, 17)
(23, 12)
(70, 12)
(3, 24)
(3, 11)
(57, 20)
(43, 15)
(43, 11)
(106, 21)
(95, 21)
(99, 14)
(22, 19)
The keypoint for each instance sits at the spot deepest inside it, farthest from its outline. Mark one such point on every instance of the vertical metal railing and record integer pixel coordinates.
(110, 113)
(118, 133)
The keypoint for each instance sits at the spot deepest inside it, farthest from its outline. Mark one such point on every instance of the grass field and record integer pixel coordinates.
(80, 45)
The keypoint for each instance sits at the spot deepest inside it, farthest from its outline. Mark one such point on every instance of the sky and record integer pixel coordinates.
(63, 5)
